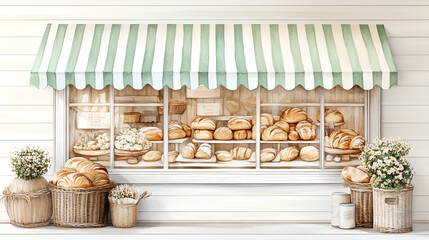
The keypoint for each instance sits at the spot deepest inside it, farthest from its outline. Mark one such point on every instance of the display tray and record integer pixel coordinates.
(335, 151)
(123, 153)
(91, 153)
(277, 163)
(195, 160)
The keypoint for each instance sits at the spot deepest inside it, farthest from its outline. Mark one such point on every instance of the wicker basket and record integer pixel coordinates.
(361, 196)
(131, 117)
(80, 207)
(393, 210)
(175, 107)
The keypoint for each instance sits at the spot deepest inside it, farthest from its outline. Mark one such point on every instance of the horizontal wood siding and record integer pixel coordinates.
(26, 113)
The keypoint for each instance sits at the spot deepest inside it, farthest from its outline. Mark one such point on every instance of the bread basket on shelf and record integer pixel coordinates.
(80, 207)
(131, 117)
(175, 107)
(361, 196)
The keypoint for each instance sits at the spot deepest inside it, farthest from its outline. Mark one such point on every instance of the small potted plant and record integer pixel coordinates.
(124, 200)
(27, 198)
(391, 176)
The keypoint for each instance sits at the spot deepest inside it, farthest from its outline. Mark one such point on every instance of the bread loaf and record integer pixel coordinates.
(237, 123)
(187, 130)
(189, 150)
(266, 119)
(176, 131)
(357, 142)
(152, 156)
(282, 125)
(242, 134)
(332, 115)
(203, 134)
(202, 123)
(94, 170)
(293, 115)
(223, 133)
(241, 153)
(204, 151)
(172, 155)
(289, 154)
(223, 156)
(152, 133)
(62, 173)
(75, 162)
(268, 154)
(344, 139)
(306, 130)
(274, 133)
(355, 175)
(74, 180)
(293, 134)
(263, 127)
(309, 154)
(100, 181)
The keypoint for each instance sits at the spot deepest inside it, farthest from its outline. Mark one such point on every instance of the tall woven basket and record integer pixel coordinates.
(361, 196)
(393, 210)
(80, 207)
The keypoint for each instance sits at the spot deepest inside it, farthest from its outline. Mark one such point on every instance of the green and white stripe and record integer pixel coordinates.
(213, 55)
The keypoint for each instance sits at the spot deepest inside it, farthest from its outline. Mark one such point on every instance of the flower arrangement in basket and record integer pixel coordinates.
(391, 175)
(27, 198)
(124, 200)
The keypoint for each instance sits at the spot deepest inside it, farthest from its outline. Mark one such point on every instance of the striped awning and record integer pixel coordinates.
(230, 55)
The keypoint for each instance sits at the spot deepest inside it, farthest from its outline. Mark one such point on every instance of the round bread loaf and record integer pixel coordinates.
(332, 115)
(293, 115)
(223, 156)
(74, 162)
(309, 154)
(152, 133)
(289, 154)
(203, 134)
(293, 134)
(223, 133)
(241, 134)
(274, 133)
(100, 181)
(266, 119)
(62, 173)
(357, 142)
(237, 123)
(204, 151)
(189, 150)
(74, 180)
(202, 123)
(268, 154)
(152, 156)
(282, 125)
(176, 131)
(94, 170)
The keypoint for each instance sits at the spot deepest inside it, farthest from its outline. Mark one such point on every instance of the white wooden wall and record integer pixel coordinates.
(26, 114)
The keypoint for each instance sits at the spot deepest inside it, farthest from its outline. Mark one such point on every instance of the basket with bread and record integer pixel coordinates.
(79, 194)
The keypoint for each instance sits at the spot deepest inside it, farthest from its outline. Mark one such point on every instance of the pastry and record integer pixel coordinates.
(283, 125)
(268, 154)
(152, 133)
(152, 156)
(74, 180)
(176, 131)
(204, 151)
(289, 154)
(274, 133)
(237, 123)
(242, 134)
(293, 115)
(203, 134)
(94, 170)
(309, 154)
(355, 175)
(241, 153)
(223, 133)
(223, 156)
(202, 123)
(266, 119)
(293, 134)
(332, 115)
(189, 150)
(357, 142)
(263, 127)
(62, 173)
(172, 155)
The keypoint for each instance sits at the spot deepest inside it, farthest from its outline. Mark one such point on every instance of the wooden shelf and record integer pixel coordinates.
(277, 163)
(181, 159)
(251, 162)
(223, 141)
(181, 140)
(291, 142)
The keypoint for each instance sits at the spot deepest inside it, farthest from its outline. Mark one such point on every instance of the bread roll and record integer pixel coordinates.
(176, 131)
(74, 162)
(274, 133)
(203, 134)
(266, 119)
(152, 156)
(263, 127)
(202, 123)
(204, 151)
(242, 134)
(293, 134)
(223, 133)
(282, 125)
(293, 115)
(223, 156)
(309, 154)
(187, 130)
(237, 123)
(152, 133)
(332, 115)
(189, 150)
(62, 173)
(306, 130)
(100, 181)
(172, 155)
(74, 180)
(94, 170)
(355, 175)
(241, 153)
(289, 154)
(268, 154)
(357, 142)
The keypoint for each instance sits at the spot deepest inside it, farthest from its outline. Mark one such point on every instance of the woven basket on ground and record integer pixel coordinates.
(361, 196)
(80, 207)
(393, 210)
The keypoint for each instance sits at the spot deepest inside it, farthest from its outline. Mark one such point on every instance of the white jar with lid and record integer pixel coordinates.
(347, 215)
(336, 199)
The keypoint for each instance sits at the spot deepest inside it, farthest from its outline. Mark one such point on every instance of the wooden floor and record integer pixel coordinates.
(225, 231)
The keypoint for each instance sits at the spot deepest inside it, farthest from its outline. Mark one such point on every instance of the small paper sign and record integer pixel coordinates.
(93, 120)
(208, 109)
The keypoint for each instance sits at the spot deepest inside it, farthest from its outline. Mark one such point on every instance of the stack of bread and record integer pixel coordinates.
(355, 174)
(81, 173)
(203, 128)
(344, 139)
(332, 116)
(178, 130)
(191, 150)
(237, 153)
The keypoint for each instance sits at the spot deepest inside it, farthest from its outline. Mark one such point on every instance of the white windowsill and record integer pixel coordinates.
(190, 231)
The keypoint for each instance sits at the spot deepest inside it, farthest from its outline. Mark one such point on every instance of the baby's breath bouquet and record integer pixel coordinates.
(386, 164)
(124, 194)
(30, 163)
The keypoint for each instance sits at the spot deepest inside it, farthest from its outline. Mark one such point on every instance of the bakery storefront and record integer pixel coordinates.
(215, 102)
